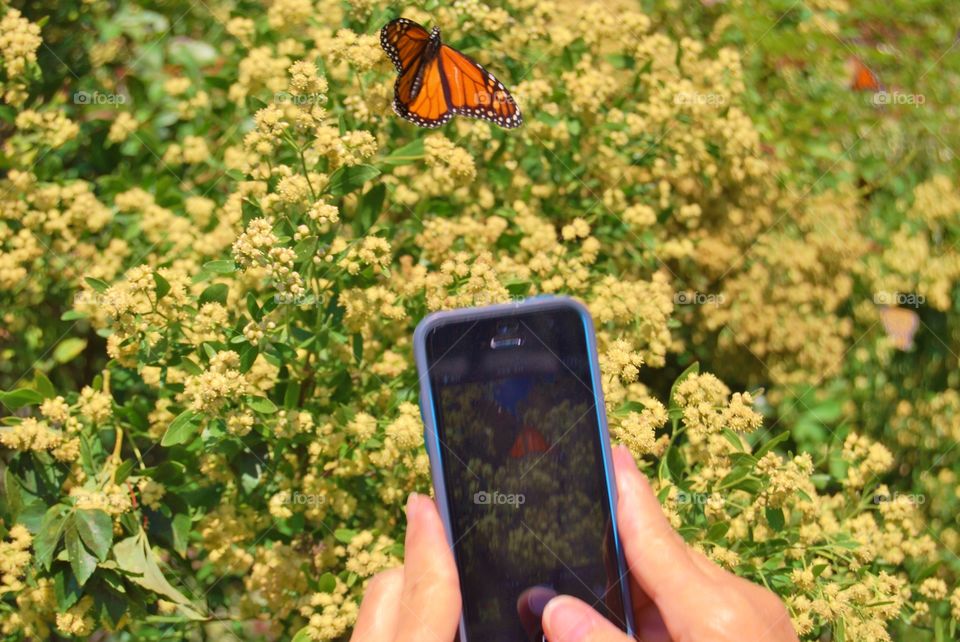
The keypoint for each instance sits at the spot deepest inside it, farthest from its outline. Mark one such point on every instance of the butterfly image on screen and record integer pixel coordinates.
(436, 82)
(863, 77)
(900, 325)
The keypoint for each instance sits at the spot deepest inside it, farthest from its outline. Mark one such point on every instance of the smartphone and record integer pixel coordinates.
(519, 450)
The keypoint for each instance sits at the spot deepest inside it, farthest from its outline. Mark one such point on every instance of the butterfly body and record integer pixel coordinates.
(430, 51)
(436, 82)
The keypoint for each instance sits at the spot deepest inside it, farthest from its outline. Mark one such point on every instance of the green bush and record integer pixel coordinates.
(216, 239)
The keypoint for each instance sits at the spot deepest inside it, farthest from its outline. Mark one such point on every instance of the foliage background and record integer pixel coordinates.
(216, 238)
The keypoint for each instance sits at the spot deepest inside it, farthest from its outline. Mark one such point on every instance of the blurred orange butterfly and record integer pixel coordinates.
(863, 77)
(900, 324)
(529, 441)
(437, 82)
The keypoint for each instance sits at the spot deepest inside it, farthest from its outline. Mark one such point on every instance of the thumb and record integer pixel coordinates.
(659, 560)
(430, 597)
(567, 619)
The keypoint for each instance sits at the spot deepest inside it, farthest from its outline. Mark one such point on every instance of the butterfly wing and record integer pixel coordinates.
(473, 91)
(404, 41)
(863, 78)
(418, 94)
(900, 325)
(429, 107)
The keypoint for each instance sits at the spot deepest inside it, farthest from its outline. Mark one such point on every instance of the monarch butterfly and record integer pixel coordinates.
(900, 324)
(863, 77)
(529, 441)
(437, 82)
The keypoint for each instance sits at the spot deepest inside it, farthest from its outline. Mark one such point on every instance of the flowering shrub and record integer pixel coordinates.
(216, 238)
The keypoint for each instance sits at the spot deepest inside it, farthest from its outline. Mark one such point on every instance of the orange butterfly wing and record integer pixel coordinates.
(863, 78)
(474, 91)
(900, 325)
(404, 41)
(529, 441)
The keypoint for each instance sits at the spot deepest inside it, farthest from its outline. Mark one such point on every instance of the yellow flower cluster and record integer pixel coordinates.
(14, 558)
(77, 620)
(19, 41)
(277, 575)
(330, 615)
(866, 459)
(32, 435)
(111, 498)
(36, 606)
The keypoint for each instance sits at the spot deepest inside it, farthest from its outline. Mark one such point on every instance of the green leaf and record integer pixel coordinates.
(43, 385)
(247, 356)
(82, 561)
(180, 526)
(96, 284)
(253, 308)
(181, 429)
(16, 399)
(123, 471)
(134, 556)
(163, 286)
(96, 530)
(303, 635)
(73, 315)
(262, 405)
(216, 292)
(344, 535)
(358, 347)
(223, 266)
(717, 531)
(732, 437)
(291, 396)
(190, 366)
(13, 500)
(773, 443)
(409, 153)
(47, 538)
(69, 349)
(111, 604)
(327, 583)
(351, 178)
(66, 589)
(775, 518)
(369, 208)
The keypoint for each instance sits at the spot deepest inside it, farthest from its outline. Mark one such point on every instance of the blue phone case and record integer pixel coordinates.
(432, 439)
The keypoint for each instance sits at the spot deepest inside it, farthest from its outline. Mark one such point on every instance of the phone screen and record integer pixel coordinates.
(523, 468)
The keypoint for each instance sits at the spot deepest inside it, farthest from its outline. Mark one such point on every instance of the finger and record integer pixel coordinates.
(658, 558)
(646, 616)
(707, 565)
(567, 619)
(762, 601)
(530, 607)
(768, 606)
(430, 599)
(380, 609)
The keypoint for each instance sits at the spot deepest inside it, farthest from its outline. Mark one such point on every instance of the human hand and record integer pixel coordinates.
(419, 601)
(678, 594)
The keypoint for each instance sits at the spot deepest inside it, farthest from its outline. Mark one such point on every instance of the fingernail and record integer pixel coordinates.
(538, 599)
(622, 452)
(412, 501)
(566, 620)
